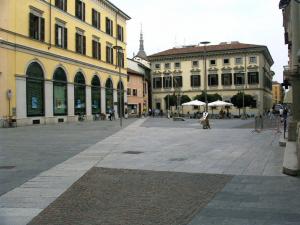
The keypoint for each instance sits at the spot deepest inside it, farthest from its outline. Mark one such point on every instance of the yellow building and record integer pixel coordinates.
(58, 59)
(230, 68)
(277, 93)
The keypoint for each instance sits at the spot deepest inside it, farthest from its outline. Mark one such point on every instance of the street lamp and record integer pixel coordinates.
(119, 64)
(205, 74)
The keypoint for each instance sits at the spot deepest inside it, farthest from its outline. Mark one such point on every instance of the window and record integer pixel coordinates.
(80, 43)
(35, 90)
(239, 78)
(177, 81)
(96, 49)
(128, 78)
(61, 36)
(128, 91)
(157, 66)
(213, 62)
(177, 65)
(226, 61)
(79, 94)
(120, 33)
(167, 65)
(120, 58)
(60, 92)
(36, 27)
(96, 95)
(157, 82)
(195, 63)
(109, 54)
(226, 79)
(253, 78)
(109, 95)
(238, 60)
(195, 81)
(62, 4)
(213, 80)
(109, 26)
(96, 21)
(80, 10)
(253, 59)
(168, 82)
(134, 92)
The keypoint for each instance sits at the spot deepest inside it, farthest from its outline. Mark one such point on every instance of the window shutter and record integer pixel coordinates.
(42, 37)
(83, 45)
(99, 21)
(65, 38)
(99, 51)
(83, 11)
(112, 55)
(31, 25)
(56, 35)
(77, 42)
(107, 25)
(76, 8)
(112, 28)
(66, 5)
(94, 48)
(107, 53)
(122, 32)
(93, 17)
(57, 3)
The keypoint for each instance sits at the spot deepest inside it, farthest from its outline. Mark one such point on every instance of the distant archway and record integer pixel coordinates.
(96, 95)
(109, 95)
(60, 102)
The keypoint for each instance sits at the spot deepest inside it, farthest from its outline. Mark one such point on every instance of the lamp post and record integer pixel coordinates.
(119, 61)
(205, 74)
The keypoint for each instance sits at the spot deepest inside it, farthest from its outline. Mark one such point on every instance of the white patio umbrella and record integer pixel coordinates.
(194, 103)
(219, 103)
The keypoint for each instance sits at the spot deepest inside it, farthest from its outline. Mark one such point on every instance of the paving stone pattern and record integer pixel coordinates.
(34, 149)
(254, 200)
(129, 197)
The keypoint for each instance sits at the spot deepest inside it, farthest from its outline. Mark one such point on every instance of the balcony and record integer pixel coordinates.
(290, 72)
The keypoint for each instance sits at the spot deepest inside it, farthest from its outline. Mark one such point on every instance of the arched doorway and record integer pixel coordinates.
(109, 95)
(35, 90)
(96, 95)
(60, 101)
(120, 96)
(79, 94)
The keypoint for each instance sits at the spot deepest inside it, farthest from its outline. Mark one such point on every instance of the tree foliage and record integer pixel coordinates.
(210, 97)
(237, 100)
(172, 99)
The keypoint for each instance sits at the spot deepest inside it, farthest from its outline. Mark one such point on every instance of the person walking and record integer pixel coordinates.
(110, 114)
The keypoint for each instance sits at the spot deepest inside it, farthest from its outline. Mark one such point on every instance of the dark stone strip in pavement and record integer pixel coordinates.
(132, 197)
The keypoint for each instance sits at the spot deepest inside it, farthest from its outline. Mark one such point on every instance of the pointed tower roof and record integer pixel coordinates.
(142, 54)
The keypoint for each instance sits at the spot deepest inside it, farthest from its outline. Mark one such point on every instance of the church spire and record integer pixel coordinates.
(142, 54)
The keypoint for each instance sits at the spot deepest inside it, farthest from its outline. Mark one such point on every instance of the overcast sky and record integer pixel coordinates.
(167, 23)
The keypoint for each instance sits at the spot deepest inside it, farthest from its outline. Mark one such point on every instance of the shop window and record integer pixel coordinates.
(35, 90)
(60, 92)
(96, 95)
(79, 94)
(109, 95)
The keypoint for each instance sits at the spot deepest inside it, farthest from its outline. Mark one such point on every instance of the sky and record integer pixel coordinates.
(170, 23)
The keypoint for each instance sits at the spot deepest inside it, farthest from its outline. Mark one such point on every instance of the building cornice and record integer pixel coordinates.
(36, 52)
(197, 55)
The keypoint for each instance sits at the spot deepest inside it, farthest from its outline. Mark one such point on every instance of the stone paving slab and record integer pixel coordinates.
(128, 197)
(254, 200)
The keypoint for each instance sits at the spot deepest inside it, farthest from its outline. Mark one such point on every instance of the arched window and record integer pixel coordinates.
(79, 94)
(35, 90)
(96, 95)
(109, 95)
(60, 102)
(120, 97)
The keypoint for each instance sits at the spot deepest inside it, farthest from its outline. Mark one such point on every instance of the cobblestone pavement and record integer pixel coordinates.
(27, 151)
(258, 193)
(125, 197)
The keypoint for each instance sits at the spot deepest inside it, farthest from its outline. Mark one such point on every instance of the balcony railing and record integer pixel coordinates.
(289, 72)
